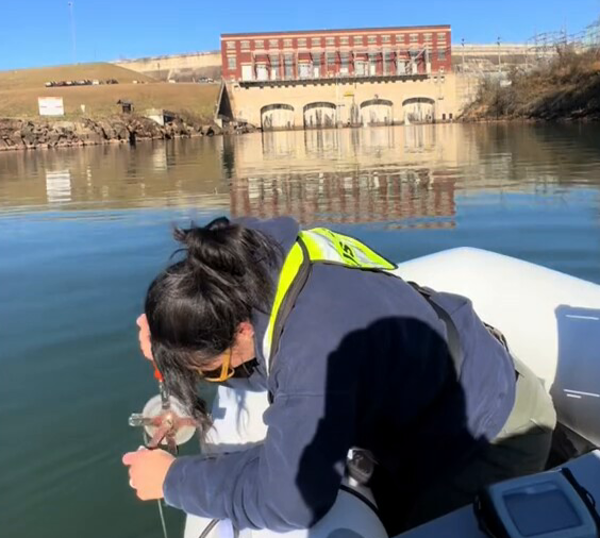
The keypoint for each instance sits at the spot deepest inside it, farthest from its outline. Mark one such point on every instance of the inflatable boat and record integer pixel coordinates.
(552, 323)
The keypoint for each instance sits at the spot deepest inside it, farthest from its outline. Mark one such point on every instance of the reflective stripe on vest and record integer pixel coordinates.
(329, 247)
(318, 245)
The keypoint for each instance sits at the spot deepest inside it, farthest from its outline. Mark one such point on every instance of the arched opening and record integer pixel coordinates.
(277, 116)
(377, 112)
(419, 110)
(319, 115)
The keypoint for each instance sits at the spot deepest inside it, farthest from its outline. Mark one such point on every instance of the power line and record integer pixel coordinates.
(73, 32)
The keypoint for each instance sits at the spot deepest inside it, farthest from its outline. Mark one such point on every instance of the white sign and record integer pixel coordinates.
(51, 106)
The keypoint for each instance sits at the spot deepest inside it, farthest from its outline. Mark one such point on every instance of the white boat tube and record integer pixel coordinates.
(551, 321)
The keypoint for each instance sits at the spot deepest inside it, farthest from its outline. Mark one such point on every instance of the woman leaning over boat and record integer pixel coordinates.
(352, 356)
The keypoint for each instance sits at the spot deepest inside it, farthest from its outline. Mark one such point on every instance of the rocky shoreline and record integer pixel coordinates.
(565, 89)
(17, 134)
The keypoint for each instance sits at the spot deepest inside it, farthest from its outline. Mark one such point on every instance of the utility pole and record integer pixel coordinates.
(499, 57)
(73, 34)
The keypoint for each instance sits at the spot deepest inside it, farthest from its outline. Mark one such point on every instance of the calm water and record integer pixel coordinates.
(82, 232)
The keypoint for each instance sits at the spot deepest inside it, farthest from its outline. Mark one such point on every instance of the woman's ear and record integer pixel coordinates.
(243, 349)
(245, 330)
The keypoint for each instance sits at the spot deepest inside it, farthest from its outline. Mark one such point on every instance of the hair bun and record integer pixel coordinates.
(222, 223)
(213, 247)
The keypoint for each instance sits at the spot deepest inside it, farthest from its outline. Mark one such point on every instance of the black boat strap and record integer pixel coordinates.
(452, 335)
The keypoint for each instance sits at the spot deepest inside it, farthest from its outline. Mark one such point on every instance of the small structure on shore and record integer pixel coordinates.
(160, 115)
(126, 106)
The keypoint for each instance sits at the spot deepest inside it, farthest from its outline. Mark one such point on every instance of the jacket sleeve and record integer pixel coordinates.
(289, 481)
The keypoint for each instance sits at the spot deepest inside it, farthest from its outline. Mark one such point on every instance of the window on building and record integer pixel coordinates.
(428, 36)
(400, 38)
(358, 40)
(273, 43)
(287, 43)
(344, 63)
(230, 45)
(372, 40)
(441, 55)
(388, 57)
(386, 38)
(316, 42)
(317, 65)
(330, 59)
(275, 71)
(231, 62)
(305, 70)
(302, 42)
(414, 38)
(259, 43)
(374, 59)
(441, 37)
(247, 72)
(344, 41)
(330, 41)
(245, 45)
(288, 61)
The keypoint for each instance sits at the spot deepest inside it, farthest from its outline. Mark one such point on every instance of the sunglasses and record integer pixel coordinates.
(219, 376)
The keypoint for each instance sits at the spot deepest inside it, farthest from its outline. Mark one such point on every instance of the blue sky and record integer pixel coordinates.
(37, 32)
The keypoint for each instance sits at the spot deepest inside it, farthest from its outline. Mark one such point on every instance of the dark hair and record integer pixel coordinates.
(195, 306)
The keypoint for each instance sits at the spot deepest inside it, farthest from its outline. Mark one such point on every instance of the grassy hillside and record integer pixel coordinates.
(19, 92)
(566, 88)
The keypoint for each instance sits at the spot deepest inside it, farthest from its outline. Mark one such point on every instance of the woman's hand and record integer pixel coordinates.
(147, 472)
(144, 336)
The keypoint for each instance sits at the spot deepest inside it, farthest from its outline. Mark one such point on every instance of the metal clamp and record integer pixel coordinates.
(165, 422)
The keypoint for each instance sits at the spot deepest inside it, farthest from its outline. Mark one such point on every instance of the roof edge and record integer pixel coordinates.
(337, 30)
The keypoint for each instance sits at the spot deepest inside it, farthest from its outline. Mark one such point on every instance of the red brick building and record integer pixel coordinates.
(322, 54)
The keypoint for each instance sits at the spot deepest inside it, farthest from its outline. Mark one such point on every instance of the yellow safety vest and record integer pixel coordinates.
(318, 245)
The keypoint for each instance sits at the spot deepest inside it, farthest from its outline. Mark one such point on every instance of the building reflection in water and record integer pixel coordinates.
(405, 176)
(346, 176)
